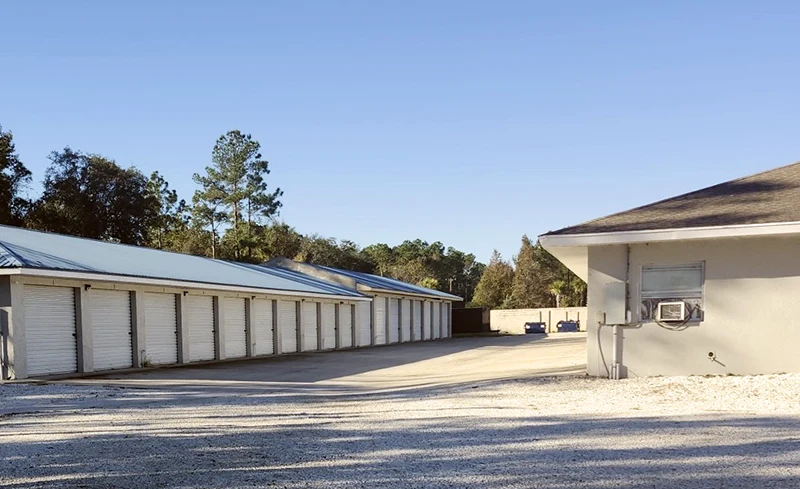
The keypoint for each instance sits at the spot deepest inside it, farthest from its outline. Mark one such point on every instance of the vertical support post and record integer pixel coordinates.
(299, 328)
(182, 325)
(138, 338)
(336, 326)
(400, 320)
(320, 336)
(14, 340)
(372, 320)
(549, 320)
(277, 335)
(248, 326)
(219, 327)
(83, 329)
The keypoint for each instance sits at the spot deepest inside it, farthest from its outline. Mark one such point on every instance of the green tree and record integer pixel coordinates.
(235, 184)
(171, 219)
(495, 284)
(91, 196)
(540, 280)
(14, 177)
(381, 256)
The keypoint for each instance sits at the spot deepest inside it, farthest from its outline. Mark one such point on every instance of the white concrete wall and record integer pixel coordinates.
(751, 309)
(512, 321)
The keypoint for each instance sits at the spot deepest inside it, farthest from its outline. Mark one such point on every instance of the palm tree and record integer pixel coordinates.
(557, 288)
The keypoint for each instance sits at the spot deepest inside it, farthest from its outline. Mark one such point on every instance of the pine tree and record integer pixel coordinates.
(495, 284)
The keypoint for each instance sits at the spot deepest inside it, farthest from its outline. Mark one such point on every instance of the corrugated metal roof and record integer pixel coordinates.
(385, 283)
(35, 249)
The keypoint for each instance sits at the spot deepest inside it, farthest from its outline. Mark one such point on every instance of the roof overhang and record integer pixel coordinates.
(180, 284)
(573, 249)
(372, 290)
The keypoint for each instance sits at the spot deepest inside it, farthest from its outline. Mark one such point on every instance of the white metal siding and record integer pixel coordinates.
(405, 319)
(394, 321)
(160, 328)
(345, 326)
(365, 324)
(309, 326)
(426, 320)
(437, 323)
(417, 320)
(111, 328)
(328, 326)
(50, 330)
(200, 321)
(380, 320)
(235, 327)
(287, 322)
(263, 336)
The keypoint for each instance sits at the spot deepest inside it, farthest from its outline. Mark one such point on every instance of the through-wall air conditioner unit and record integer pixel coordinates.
(671, 311)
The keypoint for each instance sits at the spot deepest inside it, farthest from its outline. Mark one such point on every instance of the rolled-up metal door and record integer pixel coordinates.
(111, 329)
(50, 330)
(263, 335)
(394, 320)
(364, 324)
(405, 320)
(328, 326)
(235, 328)
(160, 328)
(379, 326)
(309, 335)
(417, 320)
(345, 325)
(200, 322)
(287, 322)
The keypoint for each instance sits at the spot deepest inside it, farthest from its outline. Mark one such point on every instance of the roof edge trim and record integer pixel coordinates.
(448, 297)
(125, 279)
(674, 234)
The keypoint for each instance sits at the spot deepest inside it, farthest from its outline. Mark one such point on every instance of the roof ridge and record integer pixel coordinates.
(667, 199)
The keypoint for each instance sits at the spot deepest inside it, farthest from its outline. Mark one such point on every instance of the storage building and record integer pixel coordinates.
(399, 312)
(73, 305)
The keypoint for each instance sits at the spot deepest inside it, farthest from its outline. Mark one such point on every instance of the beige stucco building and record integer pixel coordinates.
(703, 283)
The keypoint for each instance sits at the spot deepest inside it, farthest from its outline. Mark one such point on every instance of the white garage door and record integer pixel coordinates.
(111, 328)
(437, 320)
(287, 322)
(263, 336)
(426, 320)
(379, 303)
(160, 328)
(200, 321)
(417, 320)
(345, 326)
(328, 326)
(309, 326)
(50, 329)
(364, 324)
(235, 328)
(405, 320)
(394, 321)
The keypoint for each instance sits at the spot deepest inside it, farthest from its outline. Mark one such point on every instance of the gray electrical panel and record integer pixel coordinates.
(615, 305)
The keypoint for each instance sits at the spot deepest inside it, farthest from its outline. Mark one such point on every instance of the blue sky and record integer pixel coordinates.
(469, 123)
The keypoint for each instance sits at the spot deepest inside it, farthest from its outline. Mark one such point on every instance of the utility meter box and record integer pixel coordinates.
(615, 306)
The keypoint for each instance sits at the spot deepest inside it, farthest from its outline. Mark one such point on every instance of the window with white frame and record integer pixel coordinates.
(672, 283)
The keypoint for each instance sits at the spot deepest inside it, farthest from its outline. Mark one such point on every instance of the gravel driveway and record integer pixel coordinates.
(457, 413)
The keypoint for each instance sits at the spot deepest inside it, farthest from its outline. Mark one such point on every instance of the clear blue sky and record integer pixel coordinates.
(469, 123)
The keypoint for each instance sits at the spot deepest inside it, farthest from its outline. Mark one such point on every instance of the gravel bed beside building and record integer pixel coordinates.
(559, 432)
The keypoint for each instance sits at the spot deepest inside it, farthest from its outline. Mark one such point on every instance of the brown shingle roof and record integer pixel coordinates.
(769, 197)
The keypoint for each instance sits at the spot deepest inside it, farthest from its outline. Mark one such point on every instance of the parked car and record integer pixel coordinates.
(535, 328)
(568, 326)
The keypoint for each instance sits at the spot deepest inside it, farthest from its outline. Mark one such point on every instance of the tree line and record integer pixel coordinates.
(233, 216)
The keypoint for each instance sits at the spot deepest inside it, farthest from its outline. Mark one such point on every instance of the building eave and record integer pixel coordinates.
(180, 284)
(675, 234)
